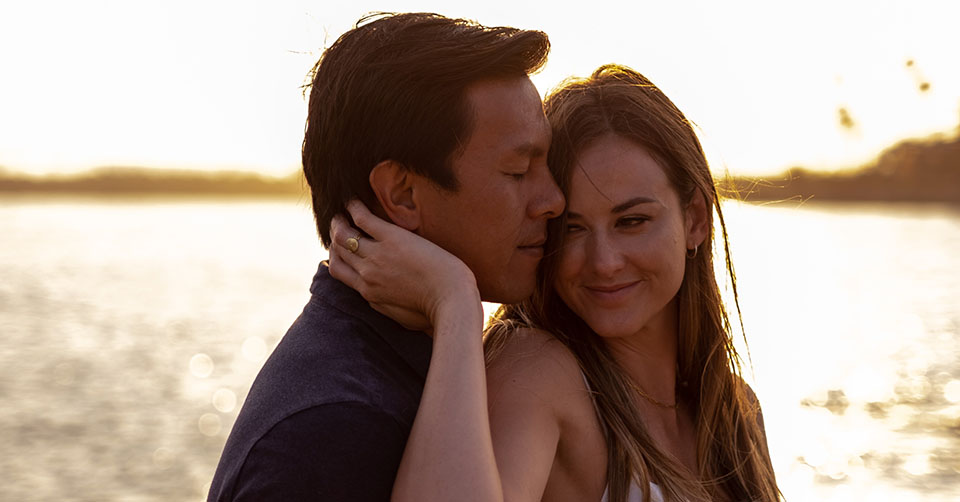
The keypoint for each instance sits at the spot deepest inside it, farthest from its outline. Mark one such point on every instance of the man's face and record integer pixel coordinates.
(496, 222)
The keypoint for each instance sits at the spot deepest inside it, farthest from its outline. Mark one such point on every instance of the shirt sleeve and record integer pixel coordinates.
(341, 451)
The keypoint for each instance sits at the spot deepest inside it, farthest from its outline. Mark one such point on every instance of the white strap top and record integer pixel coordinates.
(636, 495)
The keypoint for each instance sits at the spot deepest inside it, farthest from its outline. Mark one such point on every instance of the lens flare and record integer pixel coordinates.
(224, 400)
(163, 458)
(209, 424)
(951, 391)
(201, 365)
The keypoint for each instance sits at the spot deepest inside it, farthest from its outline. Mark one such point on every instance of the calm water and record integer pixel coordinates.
(131, 330)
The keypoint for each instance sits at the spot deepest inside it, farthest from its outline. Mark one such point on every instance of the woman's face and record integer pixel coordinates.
(623, 254)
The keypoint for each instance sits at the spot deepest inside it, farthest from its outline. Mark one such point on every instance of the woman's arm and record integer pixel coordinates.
(449, 454)
(534, 383)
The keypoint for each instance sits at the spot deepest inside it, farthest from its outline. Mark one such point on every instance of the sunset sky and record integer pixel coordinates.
(216, 84)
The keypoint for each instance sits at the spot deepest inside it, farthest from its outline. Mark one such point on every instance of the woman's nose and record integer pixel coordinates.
(605, 256)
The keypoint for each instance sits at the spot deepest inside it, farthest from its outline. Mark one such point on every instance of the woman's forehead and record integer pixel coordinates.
(612, 171)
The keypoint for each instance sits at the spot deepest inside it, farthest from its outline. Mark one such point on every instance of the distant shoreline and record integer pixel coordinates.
(144, 181)
(926, 170)
(910, 171)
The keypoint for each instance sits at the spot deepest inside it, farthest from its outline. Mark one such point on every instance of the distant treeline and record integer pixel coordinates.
(133, 180)
(913, 170)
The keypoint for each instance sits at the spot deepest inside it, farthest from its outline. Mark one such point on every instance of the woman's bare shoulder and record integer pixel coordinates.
(532, 351)
(536, 390)
(533, 363)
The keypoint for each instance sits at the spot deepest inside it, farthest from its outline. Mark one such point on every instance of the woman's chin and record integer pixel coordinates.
(612, 329)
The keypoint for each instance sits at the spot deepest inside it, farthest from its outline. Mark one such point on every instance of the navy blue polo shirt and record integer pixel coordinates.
(329, 414)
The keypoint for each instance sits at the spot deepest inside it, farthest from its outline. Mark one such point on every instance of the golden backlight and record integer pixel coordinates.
(204, 85)
(133, 322)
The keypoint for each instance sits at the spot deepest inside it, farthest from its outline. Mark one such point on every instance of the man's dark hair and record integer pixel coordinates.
(394, 88)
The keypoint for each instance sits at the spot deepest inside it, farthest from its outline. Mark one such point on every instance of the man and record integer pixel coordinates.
(435, 125)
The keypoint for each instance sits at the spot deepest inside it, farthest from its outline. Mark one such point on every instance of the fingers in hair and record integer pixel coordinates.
(341, 230)
(365, 220)
(343, 271)
(341, 233)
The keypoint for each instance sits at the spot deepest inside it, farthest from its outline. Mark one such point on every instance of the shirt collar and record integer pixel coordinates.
(414, 347)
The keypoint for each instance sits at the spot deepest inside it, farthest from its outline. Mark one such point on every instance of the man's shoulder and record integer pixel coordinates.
(337, 381)
(331, 356)
(335, 451)
(326, 357)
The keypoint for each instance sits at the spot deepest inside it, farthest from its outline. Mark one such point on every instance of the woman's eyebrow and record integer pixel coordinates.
(636, 201)
(619, 208)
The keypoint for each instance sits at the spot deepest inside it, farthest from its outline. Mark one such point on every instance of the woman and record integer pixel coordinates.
(618, 380)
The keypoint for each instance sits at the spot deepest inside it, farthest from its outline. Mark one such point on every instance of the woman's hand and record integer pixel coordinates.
(402, 275)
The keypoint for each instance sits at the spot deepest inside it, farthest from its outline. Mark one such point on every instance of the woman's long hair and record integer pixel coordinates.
(731, 446)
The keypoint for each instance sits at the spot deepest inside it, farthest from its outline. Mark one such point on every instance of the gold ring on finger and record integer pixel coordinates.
(353, 244)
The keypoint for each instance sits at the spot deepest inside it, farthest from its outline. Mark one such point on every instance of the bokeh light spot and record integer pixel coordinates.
(163, 458)
(201, 365)
(951, 391)
(224, 400)
(209, 424)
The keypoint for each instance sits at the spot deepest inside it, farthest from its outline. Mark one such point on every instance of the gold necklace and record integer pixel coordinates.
(650, 398)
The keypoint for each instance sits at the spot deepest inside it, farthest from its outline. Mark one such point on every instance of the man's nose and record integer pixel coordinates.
(550, 202)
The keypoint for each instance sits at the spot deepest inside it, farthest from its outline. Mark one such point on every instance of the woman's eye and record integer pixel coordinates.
(517, 176)
(633, 221)
(571, 228)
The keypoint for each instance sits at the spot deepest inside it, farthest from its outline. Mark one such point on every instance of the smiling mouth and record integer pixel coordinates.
(612, 292)
(611, 289)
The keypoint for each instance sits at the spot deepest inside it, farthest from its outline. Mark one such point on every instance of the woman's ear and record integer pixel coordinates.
(395, 188)
(697, 220)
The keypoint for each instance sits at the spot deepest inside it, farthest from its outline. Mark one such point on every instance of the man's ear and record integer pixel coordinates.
(396, 190)
(696, 220)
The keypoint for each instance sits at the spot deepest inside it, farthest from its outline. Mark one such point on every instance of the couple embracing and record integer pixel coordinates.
(438, 180)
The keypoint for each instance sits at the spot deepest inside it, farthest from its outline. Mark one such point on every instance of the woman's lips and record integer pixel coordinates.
(611, 293)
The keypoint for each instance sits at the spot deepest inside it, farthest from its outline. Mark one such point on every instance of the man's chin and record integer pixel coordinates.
(515, 292)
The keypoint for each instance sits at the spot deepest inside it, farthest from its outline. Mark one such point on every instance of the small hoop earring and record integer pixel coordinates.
(694, 253)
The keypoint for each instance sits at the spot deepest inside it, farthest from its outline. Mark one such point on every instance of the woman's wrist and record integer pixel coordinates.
(459, 310)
